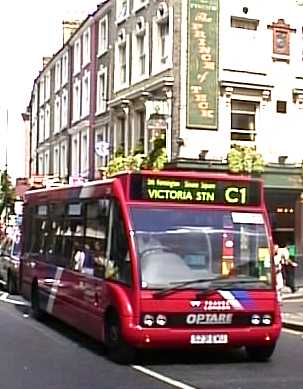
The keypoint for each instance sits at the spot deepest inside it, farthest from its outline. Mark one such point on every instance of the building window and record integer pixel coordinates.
(64, 69)
(141, 53)
(56, 161)
(122, 62)
(84, 154)
(138, 4)
(47, 122)
(243, 115)
(281, 39)
(247, 24)
(85, 94)
(139, 131)
(281, 106)
(103, 35)
(75, 155)
(41, 126)
(41, 92)
(46, 163)
(63, 160)
(64, 108)
(57, 75)
(47, 85)
(86, 47)
(120, 135)
(101, 90)
(101, 136)
(57, 114)
(77, 56)
(76, 100)
(122, 7)
(162, 39)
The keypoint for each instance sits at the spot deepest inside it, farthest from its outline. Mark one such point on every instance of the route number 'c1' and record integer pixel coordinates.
(235, 195)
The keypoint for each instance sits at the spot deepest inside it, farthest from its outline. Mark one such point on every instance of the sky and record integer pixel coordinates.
(29, 31)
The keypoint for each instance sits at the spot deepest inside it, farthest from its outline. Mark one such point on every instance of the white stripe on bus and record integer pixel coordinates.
(54, 290)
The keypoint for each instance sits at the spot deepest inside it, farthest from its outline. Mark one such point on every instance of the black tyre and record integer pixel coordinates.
(11, 285)
(260, 353)
(36, 310)
(117, 349)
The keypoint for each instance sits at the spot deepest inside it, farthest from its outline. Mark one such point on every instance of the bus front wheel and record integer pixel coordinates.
(116, 347)
(260, 353)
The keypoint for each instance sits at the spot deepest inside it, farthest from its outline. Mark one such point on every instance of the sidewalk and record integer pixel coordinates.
(292, 309)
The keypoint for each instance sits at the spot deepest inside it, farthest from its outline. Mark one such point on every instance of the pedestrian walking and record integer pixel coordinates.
(290, 267)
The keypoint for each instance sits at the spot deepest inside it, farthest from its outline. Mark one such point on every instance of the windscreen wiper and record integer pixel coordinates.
(208, 291)
(182, 284)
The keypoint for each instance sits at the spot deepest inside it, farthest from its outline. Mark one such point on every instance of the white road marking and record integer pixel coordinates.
(4, 297)
(292, 332)
(163, 378)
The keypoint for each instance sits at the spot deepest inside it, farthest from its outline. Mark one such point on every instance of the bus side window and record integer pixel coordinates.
(119, 254)
(97, 213)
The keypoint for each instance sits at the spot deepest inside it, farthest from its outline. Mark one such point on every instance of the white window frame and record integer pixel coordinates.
(46, 163)
(76, 99)
(101, 101)
(251, 112)
(77, 57)
(84, 153)
(85, 103)
(41, 92)
(122, 10)
(47, 122)
(58, 75)
(64, 68)
(64, 109)
(141, 33)
(63, 159)
(86, 42)
(103, 35)
(41, 125)
(163, 16)
(57, 114)
(122, 42)
(47, 85)
(139, 4)
(40, 164)
(101, 134)
(56, 164)
(75, 149)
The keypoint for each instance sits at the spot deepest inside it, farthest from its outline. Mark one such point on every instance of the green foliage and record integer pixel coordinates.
(244, 159)
(137, 161)
(158, 156)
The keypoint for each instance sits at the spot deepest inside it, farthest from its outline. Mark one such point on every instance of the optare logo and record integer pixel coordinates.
(195, 303)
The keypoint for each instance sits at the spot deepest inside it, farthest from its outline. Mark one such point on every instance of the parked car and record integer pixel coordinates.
(10, 263)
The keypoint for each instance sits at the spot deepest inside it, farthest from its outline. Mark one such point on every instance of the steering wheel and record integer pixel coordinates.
(154, 248)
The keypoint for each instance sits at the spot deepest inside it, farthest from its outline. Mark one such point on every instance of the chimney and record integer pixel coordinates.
(45, 61)
(69, 27)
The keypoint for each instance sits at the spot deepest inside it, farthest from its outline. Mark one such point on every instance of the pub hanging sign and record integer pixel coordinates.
(202, 64)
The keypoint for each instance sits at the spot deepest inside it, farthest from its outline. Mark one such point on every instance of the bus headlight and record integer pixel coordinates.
(148, 320)
(266, 320)
(161, 320)
(256, 320)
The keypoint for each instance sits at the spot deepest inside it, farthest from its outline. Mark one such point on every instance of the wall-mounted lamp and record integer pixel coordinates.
(282, 159)
(180, 142)
(245, 10)
(202, 155)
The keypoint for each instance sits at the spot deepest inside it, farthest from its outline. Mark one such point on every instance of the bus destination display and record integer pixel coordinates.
(187, 190)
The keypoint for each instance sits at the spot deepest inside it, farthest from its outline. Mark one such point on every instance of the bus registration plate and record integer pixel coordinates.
(209, 339)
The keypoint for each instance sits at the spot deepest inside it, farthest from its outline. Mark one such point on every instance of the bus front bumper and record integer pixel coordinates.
(179, 338)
